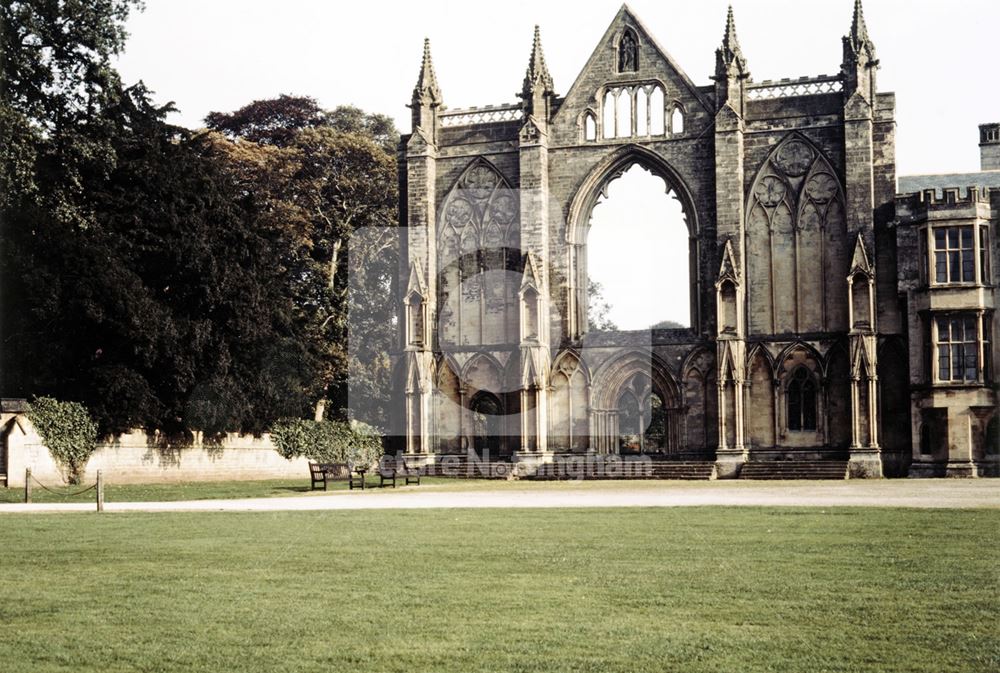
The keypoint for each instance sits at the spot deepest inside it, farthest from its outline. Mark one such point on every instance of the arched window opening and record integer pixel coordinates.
(641, 112)
(677, 122)
(624, 118)
(630, 423)
(642, 417)
(656, 112)
(655, 439)
(487, 427)
(530, 317)
(801, 397)
(638, 252)
(609, 114)
(860, 301)
(415, 311)
(590, 127)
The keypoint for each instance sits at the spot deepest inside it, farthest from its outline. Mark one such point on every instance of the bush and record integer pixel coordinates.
(356, 444)
(67, 430)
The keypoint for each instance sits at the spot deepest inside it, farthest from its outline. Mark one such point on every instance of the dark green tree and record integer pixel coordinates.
(322, 182)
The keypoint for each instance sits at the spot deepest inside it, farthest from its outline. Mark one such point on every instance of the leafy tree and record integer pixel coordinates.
(598, 308)
(319, 179)
(274, 121)
(667, 324)
(56, 81)
(166, 311)
(356, 444)
(68, 432)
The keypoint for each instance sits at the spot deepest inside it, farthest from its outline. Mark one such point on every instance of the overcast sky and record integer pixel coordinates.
(217, 55)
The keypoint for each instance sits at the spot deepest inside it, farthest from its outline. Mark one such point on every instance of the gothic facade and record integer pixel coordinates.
(817, 316)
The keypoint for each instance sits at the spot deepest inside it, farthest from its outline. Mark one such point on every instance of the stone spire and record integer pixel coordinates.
(729, 55)
(859, 31)
(426, 94)
(538, 89)
(731, 70)
(537, 76)
(860, 62)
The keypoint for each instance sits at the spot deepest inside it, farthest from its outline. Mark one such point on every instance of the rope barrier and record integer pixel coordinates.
(63, 495)
(99, 487)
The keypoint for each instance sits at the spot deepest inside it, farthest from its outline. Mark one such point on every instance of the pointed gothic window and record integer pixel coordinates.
(608, 122)
(628, 52)
(801, 397)
(677, 121)
(624, 116)
(589, 127)
(657, 123)
(642, 111)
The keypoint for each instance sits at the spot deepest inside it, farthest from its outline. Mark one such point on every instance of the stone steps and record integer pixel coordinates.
(795, 470)
(626, 469)
(460, 467)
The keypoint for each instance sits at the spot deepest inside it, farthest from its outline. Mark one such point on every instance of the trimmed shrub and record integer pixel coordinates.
(68, 431)
(356, 444)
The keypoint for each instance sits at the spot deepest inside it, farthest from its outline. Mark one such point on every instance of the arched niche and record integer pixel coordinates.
(796, 236)
(590, 191)
(623, 396)
(800, 397)
(478, 258)
(569, 416)
(761, 423)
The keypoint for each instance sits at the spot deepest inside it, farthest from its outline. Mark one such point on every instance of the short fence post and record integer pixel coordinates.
(27, 485)
(100, 492)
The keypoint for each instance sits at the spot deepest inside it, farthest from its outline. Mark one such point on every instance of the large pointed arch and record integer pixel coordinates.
(590, 190)
(595, 185)
(612, 375)
(632, 393)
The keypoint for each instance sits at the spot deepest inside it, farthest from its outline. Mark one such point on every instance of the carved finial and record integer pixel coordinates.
(427, 91)
(860, 262)
(537, 78)
(860, 62)
(859, 31)
(729, 55)
(858, 42)
(728, 269)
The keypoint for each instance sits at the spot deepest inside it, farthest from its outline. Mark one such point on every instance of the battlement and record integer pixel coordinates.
(919, 204)
(787, 88)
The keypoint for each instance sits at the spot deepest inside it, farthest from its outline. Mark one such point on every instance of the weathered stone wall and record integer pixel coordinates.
(138, 458)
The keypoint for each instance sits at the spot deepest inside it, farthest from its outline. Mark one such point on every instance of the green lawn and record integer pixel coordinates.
(273, 488)
(193, 490)
(724, 590)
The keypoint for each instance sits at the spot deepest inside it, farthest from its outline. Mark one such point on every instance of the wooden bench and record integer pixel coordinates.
(391, 469)
(322, 473)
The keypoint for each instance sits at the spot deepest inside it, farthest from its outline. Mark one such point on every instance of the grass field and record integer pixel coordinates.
(692, 590)
(191, 490)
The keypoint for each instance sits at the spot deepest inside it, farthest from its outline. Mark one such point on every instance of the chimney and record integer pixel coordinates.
(989, 147)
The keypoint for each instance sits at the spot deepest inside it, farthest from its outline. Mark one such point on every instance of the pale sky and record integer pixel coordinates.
(218, 55)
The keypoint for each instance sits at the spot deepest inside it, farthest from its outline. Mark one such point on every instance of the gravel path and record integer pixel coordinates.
(932, 493)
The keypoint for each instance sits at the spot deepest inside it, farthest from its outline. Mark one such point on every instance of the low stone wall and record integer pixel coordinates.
(136, 457)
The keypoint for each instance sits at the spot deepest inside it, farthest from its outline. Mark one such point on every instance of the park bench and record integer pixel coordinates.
(391, 469)
(322, 473)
